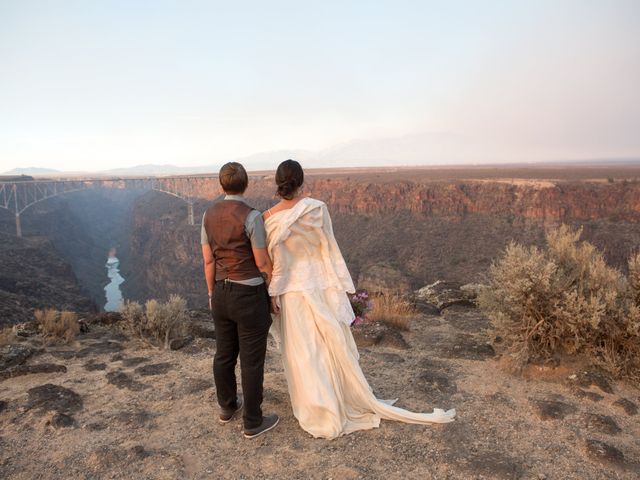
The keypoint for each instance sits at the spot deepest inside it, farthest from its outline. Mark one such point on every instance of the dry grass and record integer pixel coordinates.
(7, 336)
(634, 277)
(58, 325)
(394, 310)
(157, 322)
(565, 300)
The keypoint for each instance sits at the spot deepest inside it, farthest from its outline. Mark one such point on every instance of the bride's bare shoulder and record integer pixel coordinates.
(267, 213)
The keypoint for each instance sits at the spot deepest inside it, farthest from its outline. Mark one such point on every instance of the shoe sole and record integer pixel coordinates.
(224, 422)
(246, 435)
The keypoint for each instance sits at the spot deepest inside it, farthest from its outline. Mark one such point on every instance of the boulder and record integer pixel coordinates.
(133, 361)
(154, 369)
(368, 334)
(61, 420)
(627, 405)
(123, 380)
(383, 279)
(466, 347)
(93, 366)
(181, 342)
(20, 370)
(595, 378)
(472, 290)
(13, 355)
(593, 396)
(604, 452)
(552, 409)
(444, 294)
(25, 329)
(53, 398)
(427, 308)
(601, 423)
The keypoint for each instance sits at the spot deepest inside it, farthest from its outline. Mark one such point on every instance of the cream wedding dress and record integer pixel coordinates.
(329, 394)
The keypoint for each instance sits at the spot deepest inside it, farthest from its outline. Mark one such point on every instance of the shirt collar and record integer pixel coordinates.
(239, 198)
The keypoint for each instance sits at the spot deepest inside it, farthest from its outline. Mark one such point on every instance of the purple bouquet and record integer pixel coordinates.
(361, 306)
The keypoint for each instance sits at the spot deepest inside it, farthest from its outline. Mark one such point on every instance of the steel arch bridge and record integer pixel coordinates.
(17, 195)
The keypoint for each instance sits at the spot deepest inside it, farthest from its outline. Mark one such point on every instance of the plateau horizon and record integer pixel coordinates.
(157, 170)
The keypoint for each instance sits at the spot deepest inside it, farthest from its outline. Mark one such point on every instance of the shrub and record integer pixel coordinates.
(394, 310)
(159, 322)
(565, 299)
(58, 325)
(134, 319)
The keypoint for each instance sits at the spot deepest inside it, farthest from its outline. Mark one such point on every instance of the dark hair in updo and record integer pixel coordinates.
(289, 178)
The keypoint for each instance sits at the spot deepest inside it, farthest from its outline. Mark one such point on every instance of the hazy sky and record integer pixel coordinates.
(94, 84)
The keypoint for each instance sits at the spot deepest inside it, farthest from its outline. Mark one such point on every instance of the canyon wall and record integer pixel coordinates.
(422, 231)
(521, 200)
(33, 275)
(417, 231)
(165, 252)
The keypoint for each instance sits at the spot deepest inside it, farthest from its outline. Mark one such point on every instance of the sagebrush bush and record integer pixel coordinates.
(58, 325)
(133, 317)
(392, 309)
(158, 322)
(565, 299)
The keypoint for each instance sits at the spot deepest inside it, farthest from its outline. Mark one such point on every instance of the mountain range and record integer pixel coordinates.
(418, 149)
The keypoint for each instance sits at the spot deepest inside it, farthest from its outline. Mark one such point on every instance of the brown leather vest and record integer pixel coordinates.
(231, 247)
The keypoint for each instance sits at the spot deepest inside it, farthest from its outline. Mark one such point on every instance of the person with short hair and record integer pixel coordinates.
(237, 271)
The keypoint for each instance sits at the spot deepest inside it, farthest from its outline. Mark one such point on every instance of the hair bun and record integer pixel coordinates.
(286, 189)
(289, 178)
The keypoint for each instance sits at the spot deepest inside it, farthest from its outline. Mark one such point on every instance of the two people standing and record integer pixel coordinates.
(289, 258)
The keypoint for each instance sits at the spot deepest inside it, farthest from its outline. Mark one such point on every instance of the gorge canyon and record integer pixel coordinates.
(397, 228)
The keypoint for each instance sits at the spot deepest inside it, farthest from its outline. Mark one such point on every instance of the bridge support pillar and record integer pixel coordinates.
(18, 226)
(190, 213)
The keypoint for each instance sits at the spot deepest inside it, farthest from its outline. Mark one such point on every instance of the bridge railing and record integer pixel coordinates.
(17, 196)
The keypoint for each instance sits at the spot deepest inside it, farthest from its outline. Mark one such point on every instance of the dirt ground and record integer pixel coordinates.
(123, 410)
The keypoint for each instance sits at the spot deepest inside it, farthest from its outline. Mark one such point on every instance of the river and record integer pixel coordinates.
(112, 289)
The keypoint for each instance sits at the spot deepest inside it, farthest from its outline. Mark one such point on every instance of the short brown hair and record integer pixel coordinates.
(233, 178)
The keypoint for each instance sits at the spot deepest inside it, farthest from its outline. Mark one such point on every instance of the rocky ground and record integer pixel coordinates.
(111, 407)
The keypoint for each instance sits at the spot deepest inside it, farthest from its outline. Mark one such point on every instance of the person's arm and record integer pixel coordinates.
(209, 269)
(263, 262)
(209, 263)
(258, 236)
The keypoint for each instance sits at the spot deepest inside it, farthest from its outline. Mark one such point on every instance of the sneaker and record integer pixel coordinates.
(268, 423)
(227, 415)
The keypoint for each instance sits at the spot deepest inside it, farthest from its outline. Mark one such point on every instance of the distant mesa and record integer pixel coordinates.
(31, 171)
(147, 169)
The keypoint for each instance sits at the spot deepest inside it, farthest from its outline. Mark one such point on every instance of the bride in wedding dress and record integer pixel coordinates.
(329, 394)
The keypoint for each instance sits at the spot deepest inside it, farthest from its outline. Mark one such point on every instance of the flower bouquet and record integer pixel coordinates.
(361, 306)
